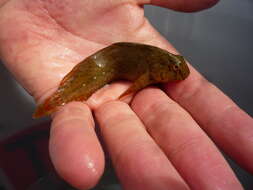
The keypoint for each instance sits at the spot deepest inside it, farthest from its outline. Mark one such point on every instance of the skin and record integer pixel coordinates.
(162, 140)
(142, 64)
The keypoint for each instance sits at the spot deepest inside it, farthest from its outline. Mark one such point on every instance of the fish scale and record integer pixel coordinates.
(142, 64)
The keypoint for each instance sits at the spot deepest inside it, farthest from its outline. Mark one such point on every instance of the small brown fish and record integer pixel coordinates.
(142, 64)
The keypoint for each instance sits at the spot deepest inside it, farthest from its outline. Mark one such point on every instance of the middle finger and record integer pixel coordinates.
(139, 162)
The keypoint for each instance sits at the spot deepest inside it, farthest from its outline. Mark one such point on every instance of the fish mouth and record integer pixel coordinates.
(184, 72)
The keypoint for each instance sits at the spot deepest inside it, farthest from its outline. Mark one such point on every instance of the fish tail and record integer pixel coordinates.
(49, 106)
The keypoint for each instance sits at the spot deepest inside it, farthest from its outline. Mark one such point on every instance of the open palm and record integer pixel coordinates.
(41, 41)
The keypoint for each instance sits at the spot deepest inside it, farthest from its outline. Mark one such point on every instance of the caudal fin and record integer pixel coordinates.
(49, 106)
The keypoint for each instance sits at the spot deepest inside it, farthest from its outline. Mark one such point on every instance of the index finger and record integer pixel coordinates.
(229, 126)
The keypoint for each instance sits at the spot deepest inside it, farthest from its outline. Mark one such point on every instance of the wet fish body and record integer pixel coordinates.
(142, 64)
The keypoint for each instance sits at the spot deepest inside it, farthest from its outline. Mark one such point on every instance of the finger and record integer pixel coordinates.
(74, 147)
(139, 162)
(108, 93)
(216, 113)
(182, 5)
(188, 148)
(229, 126)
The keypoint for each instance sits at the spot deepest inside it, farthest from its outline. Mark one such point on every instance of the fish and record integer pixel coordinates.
(141, 64)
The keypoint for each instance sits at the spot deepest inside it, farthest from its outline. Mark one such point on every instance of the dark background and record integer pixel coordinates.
(218, 42)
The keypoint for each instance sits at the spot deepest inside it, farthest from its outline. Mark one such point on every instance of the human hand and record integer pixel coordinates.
(156, 144)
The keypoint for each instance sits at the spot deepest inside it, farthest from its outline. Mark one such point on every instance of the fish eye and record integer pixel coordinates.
(175, 67)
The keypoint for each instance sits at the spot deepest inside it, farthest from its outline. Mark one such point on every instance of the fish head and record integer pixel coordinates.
(169, 68)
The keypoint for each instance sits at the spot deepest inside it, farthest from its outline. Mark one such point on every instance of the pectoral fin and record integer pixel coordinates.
(138, 84)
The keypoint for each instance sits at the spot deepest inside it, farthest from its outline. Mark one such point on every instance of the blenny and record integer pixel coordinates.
(142, 64)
